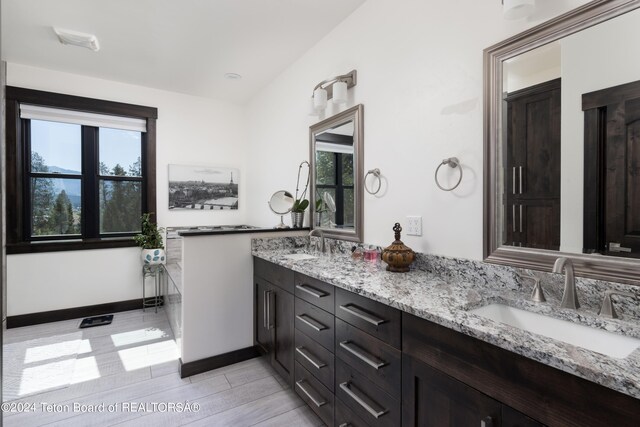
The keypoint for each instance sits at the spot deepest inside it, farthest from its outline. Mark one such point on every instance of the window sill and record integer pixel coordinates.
(69, 245)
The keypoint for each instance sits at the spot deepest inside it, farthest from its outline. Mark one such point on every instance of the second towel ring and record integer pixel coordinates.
(376, 173)
(452, 162)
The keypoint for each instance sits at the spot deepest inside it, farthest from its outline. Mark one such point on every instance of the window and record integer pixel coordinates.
(80, 172)
(335, 176)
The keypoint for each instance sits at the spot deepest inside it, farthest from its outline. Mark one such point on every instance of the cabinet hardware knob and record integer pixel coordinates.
(347, 388)
(301, 317)
(361, 314)
(303, 352)
(311, 291)
(351, 348)
(486, 422)
(315, 401)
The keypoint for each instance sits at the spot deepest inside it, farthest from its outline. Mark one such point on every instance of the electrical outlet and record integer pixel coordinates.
(414, 226)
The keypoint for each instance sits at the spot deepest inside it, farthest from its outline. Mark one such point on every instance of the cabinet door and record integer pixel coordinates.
(431, 398)
(262, 313)
(513, 418)
(282, 307)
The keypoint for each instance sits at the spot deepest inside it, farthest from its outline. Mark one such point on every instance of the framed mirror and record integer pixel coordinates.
(336, 197)
(562, 144)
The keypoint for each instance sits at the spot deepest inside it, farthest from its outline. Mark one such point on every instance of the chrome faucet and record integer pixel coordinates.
(318, 233)
(569, 297)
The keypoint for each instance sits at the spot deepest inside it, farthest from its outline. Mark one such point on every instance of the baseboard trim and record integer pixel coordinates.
(72, 313)
(210, 363)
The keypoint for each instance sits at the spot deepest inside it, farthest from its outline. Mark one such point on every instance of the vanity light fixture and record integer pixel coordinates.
(334, 88)
(76, 38)
(517, 9)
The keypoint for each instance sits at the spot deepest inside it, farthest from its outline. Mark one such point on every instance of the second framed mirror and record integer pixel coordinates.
(336, 152)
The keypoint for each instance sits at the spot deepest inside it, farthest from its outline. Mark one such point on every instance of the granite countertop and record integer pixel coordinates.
(446, 298)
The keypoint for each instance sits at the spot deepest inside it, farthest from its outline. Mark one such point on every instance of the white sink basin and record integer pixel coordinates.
(597, 340)
(299, 257)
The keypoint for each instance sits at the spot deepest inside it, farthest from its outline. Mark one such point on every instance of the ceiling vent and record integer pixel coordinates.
(75, 38)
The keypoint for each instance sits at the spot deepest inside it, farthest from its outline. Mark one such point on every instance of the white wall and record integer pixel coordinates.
(591, 60)
(190, 130)
(420, 79)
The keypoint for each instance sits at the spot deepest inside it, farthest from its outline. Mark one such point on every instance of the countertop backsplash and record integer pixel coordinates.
(590, 291)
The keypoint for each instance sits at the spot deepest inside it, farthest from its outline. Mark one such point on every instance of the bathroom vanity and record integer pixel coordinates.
(362, 346)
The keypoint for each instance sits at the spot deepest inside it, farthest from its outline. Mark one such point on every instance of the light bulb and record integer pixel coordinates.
(340, 93)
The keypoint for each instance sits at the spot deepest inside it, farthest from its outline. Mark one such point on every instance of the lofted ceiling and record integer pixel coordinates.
(184, 46)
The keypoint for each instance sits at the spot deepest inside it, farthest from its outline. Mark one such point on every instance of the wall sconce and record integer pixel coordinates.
(334, 88)
(516, 9)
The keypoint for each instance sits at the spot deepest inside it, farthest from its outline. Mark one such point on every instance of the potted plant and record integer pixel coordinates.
(320, 210)
(300, 204)
(150, 240)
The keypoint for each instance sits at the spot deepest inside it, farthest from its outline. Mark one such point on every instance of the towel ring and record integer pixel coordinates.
(376, 173)
(452, 162)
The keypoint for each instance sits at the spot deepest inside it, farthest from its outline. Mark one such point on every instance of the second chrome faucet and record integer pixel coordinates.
(570, 296)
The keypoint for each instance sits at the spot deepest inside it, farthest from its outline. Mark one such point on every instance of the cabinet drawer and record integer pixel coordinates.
(381, 363)
(317, 324)
(315, 358)
(379, 320)
(274, 274)
(345, 417)
(317, 396)
(315, 291)
(365, 399)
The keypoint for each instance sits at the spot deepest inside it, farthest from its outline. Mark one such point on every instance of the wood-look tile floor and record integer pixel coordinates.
(132, 365)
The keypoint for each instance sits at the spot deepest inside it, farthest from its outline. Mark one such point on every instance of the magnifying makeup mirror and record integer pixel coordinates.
(281, 203)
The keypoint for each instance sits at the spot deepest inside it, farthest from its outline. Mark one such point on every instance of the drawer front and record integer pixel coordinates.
(344, 417)
(316, 359)
(315, 291)
(274, 274)
(380, 362)
(379, 320)
(368, 401)
(317, 396)
(315, 323)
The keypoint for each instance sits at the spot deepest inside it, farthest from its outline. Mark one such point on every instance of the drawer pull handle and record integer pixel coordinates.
(344, 425)
(315, 401)
(358, 312)
(351, 348)
(265, 309)
(311, 291)
(361, 400)
(303, 352)
(301, 317)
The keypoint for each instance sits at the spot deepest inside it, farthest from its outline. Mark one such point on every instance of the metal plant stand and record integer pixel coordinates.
(156, 272)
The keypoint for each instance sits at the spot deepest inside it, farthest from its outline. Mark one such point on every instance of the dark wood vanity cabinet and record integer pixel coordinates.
(443, 368)
(358, 362)
(431, 398)
(274, 306)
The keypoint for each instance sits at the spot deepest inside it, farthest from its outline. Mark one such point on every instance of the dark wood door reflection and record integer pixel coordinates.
(532, 176)
(612, 171)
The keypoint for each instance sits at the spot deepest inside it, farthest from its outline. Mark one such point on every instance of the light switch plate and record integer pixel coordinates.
(414, 226)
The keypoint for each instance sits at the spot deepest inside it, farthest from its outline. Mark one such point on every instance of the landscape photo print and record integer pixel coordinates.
(203, 188)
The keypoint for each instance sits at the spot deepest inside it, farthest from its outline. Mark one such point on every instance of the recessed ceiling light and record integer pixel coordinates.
(76, 38)
(232, 76)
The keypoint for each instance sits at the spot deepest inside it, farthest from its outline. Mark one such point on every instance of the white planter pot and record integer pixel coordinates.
(153, 256)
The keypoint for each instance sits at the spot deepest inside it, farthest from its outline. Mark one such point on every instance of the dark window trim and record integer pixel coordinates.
(339, 187)
(15, 172)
